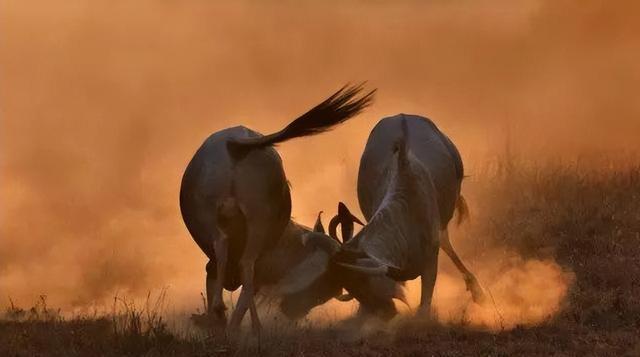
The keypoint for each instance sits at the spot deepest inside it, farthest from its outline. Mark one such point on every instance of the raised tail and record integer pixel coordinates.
(463, 210)
(341, 106)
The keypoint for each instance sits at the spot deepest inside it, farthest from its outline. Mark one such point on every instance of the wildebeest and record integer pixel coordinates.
(298, 270)
(235, 201)
(375, 293)
(408, 189)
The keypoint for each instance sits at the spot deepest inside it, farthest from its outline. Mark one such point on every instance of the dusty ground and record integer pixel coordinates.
(584, 218)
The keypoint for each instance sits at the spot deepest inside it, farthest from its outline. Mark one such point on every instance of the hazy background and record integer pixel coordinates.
(103, 103)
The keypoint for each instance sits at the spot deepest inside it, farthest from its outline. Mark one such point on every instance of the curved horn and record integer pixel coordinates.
(318, 227)
(343, 211)
(356, 220)
(379, 270)
(346, 221)
(368, 269)
(346, 224)
(346, 229)
(333, 225)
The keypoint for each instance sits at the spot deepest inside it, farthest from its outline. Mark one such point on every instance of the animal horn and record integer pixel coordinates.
(333, 225)
(356, 220)
(343, 211)
(318, 227)
(369, 270)
(346, 221)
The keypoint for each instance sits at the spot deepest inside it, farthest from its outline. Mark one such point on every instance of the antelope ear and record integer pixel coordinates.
(318, 227)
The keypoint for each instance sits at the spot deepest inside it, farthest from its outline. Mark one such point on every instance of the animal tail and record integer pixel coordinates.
(463, 210)
(341, 106)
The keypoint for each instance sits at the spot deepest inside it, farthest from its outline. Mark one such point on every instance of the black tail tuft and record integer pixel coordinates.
(341, 106)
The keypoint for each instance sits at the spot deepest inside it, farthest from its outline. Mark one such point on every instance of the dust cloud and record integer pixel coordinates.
(102, 105)
(520, 293)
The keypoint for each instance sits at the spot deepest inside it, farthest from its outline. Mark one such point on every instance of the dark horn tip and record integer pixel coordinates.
(319, 227)
(342, 209)
(333, 225)
(355, 219)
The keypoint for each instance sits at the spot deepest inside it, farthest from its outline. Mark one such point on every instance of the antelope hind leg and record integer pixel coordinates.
(477, 293)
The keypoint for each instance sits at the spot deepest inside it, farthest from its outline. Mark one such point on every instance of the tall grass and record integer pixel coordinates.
(584, 214)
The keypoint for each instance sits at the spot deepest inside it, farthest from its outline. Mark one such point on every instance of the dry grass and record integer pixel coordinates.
(586, 219)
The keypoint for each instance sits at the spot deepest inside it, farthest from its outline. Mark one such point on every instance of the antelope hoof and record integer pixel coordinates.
(425, 314)
(208, 321)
